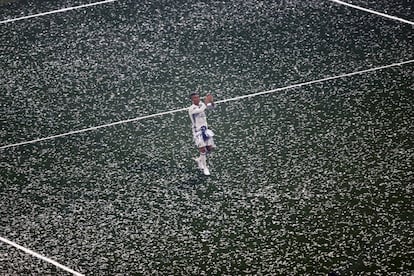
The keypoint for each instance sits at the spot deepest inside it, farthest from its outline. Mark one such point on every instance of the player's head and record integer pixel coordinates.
(195, 98)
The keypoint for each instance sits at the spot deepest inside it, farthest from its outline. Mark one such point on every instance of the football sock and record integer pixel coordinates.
(203, 159)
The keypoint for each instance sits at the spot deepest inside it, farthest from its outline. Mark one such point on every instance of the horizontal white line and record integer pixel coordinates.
(37, 255)
(221, 101)
(56, 11)
(374, 12)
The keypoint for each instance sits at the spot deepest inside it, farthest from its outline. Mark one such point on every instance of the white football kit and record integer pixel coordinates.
(202, 135)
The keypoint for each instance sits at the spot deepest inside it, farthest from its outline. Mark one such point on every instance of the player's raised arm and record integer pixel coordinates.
(209, 101)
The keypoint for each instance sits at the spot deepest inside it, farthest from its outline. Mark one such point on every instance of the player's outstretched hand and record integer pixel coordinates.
(208, 99)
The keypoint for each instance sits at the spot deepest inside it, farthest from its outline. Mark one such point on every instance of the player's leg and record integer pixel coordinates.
(210, 146)
(203, 160)
(210, 141)
(200, 144)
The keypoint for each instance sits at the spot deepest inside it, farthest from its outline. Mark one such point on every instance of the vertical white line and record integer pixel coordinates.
(37, 255)
(56, 11)
(373, 12)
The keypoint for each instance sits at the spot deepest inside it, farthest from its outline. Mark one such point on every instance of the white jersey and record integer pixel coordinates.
(198, 116)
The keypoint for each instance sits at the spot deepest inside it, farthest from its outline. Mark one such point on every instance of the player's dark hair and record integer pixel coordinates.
(193, 94)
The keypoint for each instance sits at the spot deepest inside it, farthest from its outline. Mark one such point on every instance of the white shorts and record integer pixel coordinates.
(200, 142)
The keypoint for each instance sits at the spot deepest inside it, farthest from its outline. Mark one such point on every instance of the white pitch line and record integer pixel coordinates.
(373, 12)
(56, 11)
(221, 101)
(37, 255)
(317, 81)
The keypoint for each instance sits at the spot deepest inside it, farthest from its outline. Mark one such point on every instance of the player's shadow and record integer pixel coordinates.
(196, 179)
(191, 175)
(204, 186)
